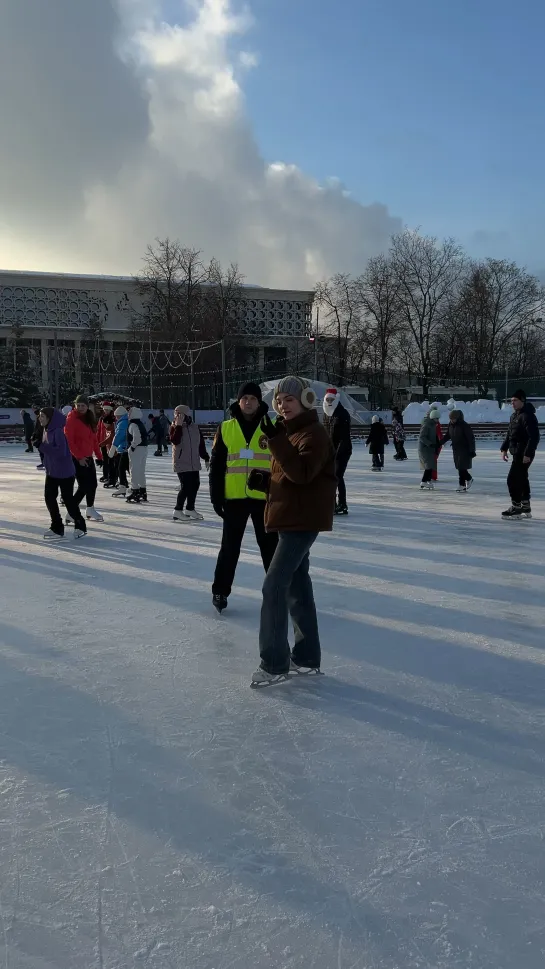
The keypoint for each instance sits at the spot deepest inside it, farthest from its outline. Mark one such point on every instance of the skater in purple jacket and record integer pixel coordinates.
(59, 474)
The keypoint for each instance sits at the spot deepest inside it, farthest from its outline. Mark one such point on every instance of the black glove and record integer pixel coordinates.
(220, 510)
(269, 429)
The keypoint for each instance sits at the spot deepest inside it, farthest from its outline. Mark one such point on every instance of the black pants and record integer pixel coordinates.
(51, 491)
(119, 465)
(86, 477)
(28, 439)
(401, 454)
(428, 475)
(160, 439)
(341, 461)
(236, 517)
(378, 460)
(105, 464)
(190, 482)
(517, 480)
(463, 477)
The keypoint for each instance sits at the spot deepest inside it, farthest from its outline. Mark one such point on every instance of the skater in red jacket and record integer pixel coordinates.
(82, 440)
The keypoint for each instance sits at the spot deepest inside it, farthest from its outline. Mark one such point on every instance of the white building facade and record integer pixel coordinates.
(46, 310)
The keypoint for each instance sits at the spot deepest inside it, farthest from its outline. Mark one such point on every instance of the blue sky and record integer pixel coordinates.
(433, 107)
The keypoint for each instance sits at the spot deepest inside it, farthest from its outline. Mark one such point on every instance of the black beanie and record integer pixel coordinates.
(519, 394)
(250, 389)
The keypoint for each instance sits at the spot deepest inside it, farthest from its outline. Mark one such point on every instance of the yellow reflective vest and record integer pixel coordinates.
(241, 458)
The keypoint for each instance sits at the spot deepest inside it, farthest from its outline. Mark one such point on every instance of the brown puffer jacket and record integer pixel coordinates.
(303, 484)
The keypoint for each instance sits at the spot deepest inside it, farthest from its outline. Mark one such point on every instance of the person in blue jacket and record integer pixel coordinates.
(119, 455)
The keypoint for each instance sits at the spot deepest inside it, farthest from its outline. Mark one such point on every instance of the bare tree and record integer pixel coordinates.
(224, 300)
(170, 287)
(498, 304)
(340, 307)
(427, 273)
(378, 291)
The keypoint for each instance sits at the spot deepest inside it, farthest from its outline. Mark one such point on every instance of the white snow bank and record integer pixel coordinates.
(475, 411)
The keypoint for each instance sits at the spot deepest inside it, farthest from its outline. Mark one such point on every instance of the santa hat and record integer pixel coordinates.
(331, 392)
(106, 403)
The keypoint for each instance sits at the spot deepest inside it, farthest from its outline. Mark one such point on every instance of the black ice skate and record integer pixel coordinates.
(143, 495)
(341, 510)
(219, 603)
(134, 497)
(513, 513)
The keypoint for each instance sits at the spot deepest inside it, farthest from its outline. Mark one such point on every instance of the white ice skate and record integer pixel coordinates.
(261, 678)
(179, 516)
(427, 486)
(304, 670)
(461, 489)
(51, 536)
(93, 514)
(119, 492)
(468, 484)
(195, 516)
(79, 533)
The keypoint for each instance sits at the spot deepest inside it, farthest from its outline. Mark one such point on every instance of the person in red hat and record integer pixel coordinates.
(105, 436)
(337, 423)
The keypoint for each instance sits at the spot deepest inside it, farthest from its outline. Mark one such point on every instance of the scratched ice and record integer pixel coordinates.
(154, 811)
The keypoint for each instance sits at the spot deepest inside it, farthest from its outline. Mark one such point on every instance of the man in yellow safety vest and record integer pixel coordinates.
(239, 446)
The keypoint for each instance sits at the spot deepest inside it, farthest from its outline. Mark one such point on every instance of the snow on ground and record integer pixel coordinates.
(157, 812)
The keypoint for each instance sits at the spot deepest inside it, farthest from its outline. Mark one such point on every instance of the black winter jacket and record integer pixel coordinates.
(378, 437)
(462, 438)
(522, 436)
(38, 433)
(338, 428)
(218, 457)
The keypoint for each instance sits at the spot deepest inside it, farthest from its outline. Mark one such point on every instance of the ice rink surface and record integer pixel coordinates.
(155, 811)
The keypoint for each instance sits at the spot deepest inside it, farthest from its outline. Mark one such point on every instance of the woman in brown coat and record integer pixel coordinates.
(300, 504)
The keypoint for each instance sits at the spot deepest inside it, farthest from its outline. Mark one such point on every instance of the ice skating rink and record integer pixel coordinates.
(156, 812)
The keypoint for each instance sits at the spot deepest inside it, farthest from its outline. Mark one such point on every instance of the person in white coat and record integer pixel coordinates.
(137, 437)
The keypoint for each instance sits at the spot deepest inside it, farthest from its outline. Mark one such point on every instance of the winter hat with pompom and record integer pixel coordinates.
(120, 411)
(296, 387)
(434, 414)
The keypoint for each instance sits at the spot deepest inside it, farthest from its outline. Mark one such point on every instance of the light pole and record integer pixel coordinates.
(192, 385)
(223, 377)
(150, 371)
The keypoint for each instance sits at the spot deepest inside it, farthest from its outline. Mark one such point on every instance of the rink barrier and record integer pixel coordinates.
(13, 434)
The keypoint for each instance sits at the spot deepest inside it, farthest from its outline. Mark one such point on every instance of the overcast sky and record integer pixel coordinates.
(236, 129)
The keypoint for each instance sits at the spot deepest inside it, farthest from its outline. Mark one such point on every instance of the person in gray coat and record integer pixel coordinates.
(427, 448)
(188, 448)
(462, 438)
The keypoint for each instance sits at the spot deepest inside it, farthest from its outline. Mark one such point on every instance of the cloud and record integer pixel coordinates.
(119, 126)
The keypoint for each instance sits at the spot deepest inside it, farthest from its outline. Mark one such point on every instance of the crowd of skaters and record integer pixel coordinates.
(285, 474)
